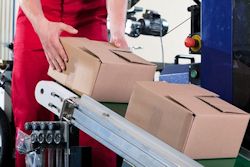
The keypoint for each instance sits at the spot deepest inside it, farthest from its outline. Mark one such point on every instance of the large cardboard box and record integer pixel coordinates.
(193, 120)
(100, 70)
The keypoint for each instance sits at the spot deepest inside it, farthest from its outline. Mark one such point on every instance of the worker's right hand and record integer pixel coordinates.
(49, 33)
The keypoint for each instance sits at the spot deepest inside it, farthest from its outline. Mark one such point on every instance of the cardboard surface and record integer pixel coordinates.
(191, 119)
(102, 71)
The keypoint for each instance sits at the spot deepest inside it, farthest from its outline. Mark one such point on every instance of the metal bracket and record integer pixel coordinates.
(68, 108)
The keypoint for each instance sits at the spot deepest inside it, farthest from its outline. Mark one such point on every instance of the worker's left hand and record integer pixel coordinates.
(119, 41)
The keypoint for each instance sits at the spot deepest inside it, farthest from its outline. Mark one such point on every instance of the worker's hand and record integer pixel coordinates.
(119, 41)
(49, 33)
(117, 10)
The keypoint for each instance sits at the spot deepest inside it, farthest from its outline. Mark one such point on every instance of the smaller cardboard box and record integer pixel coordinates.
(102, 71)
(191, 119)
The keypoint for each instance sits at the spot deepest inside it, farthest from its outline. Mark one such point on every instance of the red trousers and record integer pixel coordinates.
(31, 66)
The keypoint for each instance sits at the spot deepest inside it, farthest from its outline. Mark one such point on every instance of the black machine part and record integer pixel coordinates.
(195, 11)
(52, 136)
(47, 134)
(132, 3)
(5, 76)
(5, 82)
(194, 69)
(241, 62)
(150, 24)
(5, 137)
(195, 18)
(178, 57)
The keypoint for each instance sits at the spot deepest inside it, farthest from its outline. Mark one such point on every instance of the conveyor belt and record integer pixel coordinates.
(112, 130)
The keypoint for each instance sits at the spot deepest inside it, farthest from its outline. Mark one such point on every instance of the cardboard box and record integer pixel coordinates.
(102, 71)
(193, 120)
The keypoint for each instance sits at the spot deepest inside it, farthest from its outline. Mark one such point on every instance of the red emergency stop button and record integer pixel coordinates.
(193, 43)
(190, 42)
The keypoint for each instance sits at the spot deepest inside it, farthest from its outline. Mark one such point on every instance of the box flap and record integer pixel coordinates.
(221, 105)
(99, 49)
(194, 90)
(104, 51)
(166, 89)
(194, 105)
(95, 48)
(73, 41)
(108, 53)
(129, 56)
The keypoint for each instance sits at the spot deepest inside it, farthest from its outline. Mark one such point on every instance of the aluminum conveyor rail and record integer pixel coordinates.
(135, 145)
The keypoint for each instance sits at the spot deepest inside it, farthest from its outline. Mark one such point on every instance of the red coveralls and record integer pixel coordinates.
(31, 66)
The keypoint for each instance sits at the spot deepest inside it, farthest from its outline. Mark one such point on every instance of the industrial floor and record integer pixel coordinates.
(240, 161)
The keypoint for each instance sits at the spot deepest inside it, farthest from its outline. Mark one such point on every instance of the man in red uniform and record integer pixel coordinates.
(37, 46)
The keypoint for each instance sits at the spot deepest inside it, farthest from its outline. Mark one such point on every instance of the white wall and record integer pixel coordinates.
(6, 27)
(16, 7)
(174, 12)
